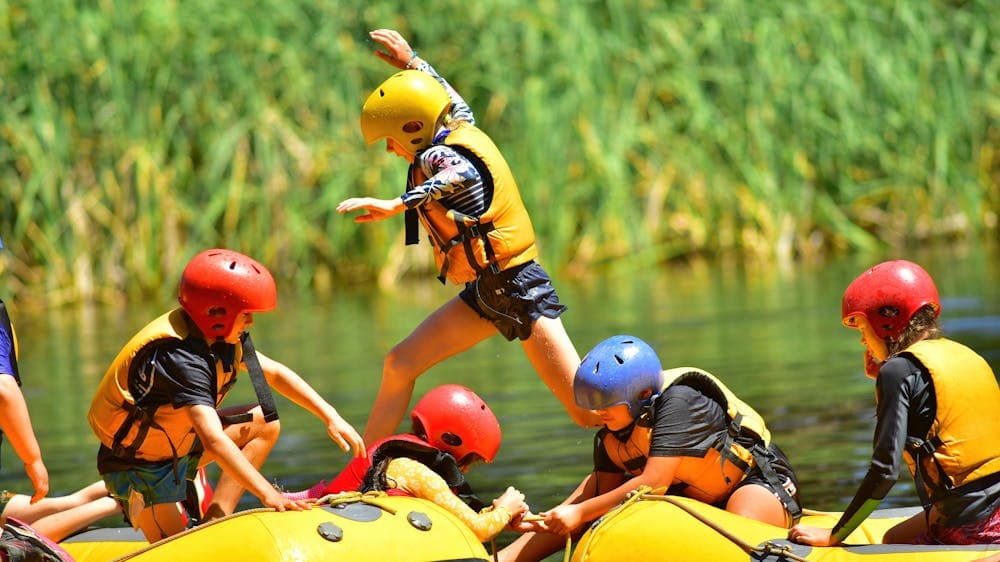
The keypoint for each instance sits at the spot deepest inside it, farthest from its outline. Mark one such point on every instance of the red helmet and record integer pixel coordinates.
(888, 295)
(457, 421)
(218, 285)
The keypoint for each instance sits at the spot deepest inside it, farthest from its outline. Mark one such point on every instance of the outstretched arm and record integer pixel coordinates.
(399, 54)
(378, 209)
(566, 518)
(16, 424)
(292, 386)
(419, 480)
(220, 448)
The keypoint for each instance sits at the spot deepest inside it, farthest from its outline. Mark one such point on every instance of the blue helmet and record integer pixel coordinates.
(617, 371)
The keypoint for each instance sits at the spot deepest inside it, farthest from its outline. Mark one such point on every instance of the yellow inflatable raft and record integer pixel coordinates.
(349, 528)
(652, 527)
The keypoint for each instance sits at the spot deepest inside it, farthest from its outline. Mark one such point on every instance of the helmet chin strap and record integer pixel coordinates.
(647, 415)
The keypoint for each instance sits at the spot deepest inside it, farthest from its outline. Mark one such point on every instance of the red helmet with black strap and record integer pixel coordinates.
(219, 285)
(457, 421)
(888, 295)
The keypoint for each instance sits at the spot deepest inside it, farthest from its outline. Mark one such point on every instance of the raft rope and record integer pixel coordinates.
(768, 548)
(370, 498)
(186, 532)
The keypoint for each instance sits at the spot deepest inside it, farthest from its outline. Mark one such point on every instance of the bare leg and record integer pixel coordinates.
(255, 439)
(531, 547)
(160, 521)
(20, 506)
(63, 524)
(555, 359)
(905, 532)
(58, 517)
(757, 502)
(449, 330)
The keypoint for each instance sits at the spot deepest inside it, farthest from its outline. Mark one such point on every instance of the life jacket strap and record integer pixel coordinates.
(260, 386)
(763, 461)
(928, 490)
(135, 415)
(412, 221)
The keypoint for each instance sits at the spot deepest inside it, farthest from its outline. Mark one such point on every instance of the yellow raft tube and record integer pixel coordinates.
(652, 527)
(349, 527)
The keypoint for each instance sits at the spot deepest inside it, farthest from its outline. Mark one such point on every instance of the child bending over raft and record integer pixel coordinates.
(452, 429)
(937, 407)
(679, 429)
(158, 404)
(460, 187)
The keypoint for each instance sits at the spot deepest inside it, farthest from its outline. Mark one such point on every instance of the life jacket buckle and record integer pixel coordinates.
(921, 447)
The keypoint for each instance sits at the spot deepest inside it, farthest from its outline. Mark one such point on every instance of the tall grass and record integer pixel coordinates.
(133, 134)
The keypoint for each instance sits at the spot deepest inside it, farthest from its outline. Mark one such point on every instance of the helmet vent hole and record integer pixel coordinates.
(412, 126)
(888, 311)
(451, 439)
(232, 265)
(381, 93)
(619, 359)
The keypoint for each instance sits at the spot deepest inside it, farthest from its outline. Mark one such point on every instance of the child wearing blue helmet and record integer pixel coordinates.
(680, 429)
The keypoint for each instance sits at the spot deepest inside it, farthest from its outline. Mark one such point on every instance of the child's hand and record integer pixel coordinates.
(399, 53)
(275, 500)
(378, 209)
(513, 500)
(563, 519)
(345, 436)
(872, 365)
(813, 536)
(528, 522)
(39, 476)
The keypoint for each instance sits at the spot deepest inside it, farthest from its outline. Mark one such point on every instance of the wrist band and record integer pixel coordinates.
(413, 57)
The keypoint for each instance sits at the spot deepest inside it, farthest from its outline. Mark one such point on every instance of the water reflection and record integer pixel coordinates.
(773, 335)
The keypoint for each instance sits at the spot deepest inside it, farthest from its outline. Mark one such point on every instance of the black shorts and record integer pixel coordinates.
(513, 299)
(782, 468)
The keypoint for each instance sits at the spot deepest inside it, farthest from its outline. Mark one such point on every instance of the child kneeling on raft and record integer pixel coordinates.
(679, 429)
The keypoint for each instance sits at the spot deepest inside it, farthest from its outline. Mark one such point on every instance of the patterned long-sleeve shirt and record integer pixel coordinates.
(451, 178)
(418, 480)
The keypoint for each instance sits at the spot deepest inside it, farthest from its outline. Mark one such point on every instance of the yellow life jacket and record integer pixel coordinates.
(501, 238)
(963, 443)
(713, 477)
(129, 429)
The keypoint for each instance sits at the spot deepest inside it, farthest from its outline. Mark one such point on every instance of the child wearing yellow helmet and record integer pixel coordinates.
(460, 188)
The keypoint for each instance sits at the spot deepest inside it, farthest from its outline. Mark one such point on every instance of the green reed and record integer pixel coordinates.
(137, 133)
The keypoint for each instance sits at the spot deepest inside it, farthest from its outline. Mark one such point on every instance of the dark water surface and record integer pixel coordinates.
(773, 333)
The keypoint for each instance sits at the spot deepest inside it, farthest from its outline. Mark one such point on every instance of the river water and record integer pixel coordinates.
(772, 333)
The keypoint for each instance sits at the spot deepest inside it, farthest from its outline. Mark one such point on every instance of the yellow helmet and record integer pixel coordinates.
(406, 108)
